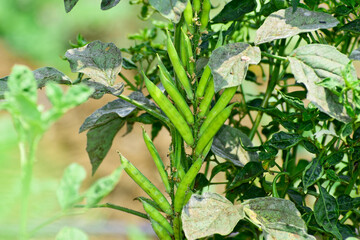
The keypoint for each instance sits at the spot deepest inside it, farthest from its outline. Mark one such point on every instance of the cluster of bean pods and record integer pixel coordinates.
(195, 123)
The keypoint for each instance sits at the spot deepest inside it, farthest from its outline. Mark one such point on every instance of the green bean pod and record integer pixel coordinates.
(212, 129)
(183, 53)
(177, 98)
(160, 231)
(205, 15)
(188, 17)
(203, 82)
(157, 160)
(178, 68)
(189, 53)
(196, 5)
(206, 101)
(163, 68)
(168, 108)
(146, 185)
(185, 184)
(154, 214)
(224, 99)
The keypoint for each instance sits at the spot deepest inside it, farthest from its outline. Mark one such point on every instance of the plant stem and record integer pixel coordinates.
(123, 209)
(274, 56)
(128, 82)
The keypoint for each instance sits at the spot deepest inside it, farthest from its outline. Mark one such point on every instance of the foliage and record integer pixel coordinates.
(297, 140)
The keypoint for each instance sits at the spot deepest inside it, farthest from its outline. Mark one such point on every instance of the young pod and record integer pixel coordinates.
(163, 68)
(203, 82)
(196, 5)
(188, 17)
(185, 184)
(160, 231)
(146, 185)
(178, 68)
(154, 214)
(206, 101)
(211, 130)
(168, 108)
(157, 160)
(189, 53)
(224, 99)
(205, 15)
(177, 98)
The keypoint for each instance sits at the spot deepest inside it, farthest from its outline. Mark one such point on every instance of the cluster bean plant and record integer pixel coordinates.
(288, 153)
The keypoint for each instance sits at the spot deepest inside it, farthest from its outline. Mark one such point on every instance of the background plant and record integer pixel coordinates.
(301, 152)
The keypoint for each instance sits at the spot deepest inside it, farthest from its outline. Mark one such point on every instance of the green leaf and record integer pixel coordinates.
(283, 140)
(102, 187)
(334, 158)
(172, 10)
(294, 4)
(229, 64)
(99, 139)
(250, 171)
(49, 74)
(128, 64)
(68, 191)
(310, 147)
(293, 101)
(69, 4)
(353, 26)
(100, 89)
(326, 211)
(283, 231)
(227, 144)
(312, 173)
(355, 55)
(315, 62)
(289, 23)
(347, 203)
(234, 10)
(207, 214)
(100, 61)
(107, 4)
(69, 233)
(112, 110)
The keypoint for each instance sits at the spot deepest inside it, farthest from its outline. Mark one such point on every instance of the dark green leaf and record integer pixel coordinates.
(297, 198)
(353, 26)
(172, 10)
(293, 101)
(100, 61)
(294, 4)
(342, 10)
(69, 4)
(283, 140)
(347, 232)
(107, 4)
(222, 167)
(99, 139)
(334, 158)
(128, 64)
(102, 187)
(312, 173)
(311, 147)
(332, 176)
(326, 212)
(347, 203)
(155, 129)
(227, 144)
(229, 64)
(234, 10)
(250, 171)
(200, 182)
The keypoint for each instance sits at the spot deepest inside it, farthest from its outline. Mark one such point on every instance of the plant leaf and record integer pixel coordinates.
(68, 191)
(286, 23)
(107, 4)
(353, 26)
(284, 231)
(69, 233)
(283, 140)
(294, 4)
(326, 211)
(69, 4)
(312, 173)
(99, 139)
(101, 89)
(227, 144)
(315, 62)
(355, 55)
(234, 10)
(250, 171)
(114, 109)
(100, 61)
(172, 9)
(207, 214)
(229, 64)
(102, 187)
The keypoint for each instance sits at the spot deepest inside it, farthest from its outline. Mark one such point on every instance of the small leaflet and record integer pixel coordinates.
(207, 214)
(311, 64)
(230, 63)
(100, 61)
(286, 23)
(172, 10)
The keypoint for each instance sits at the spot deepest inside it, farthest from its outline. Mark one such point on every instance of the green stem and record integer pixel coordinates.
(123, 209)
(274, 189)
(274, 56)
(132, 86)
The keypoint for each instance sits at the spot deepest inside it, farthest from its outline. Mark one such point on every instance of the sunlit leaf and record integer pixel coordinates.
(286, 23)
(68, 191)
(227, 144)
(230, 63)
(315, 62)
(100, 61)
(69, 233)
(234, 10)
(172, 10)
(207, 214)
(326, 211)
